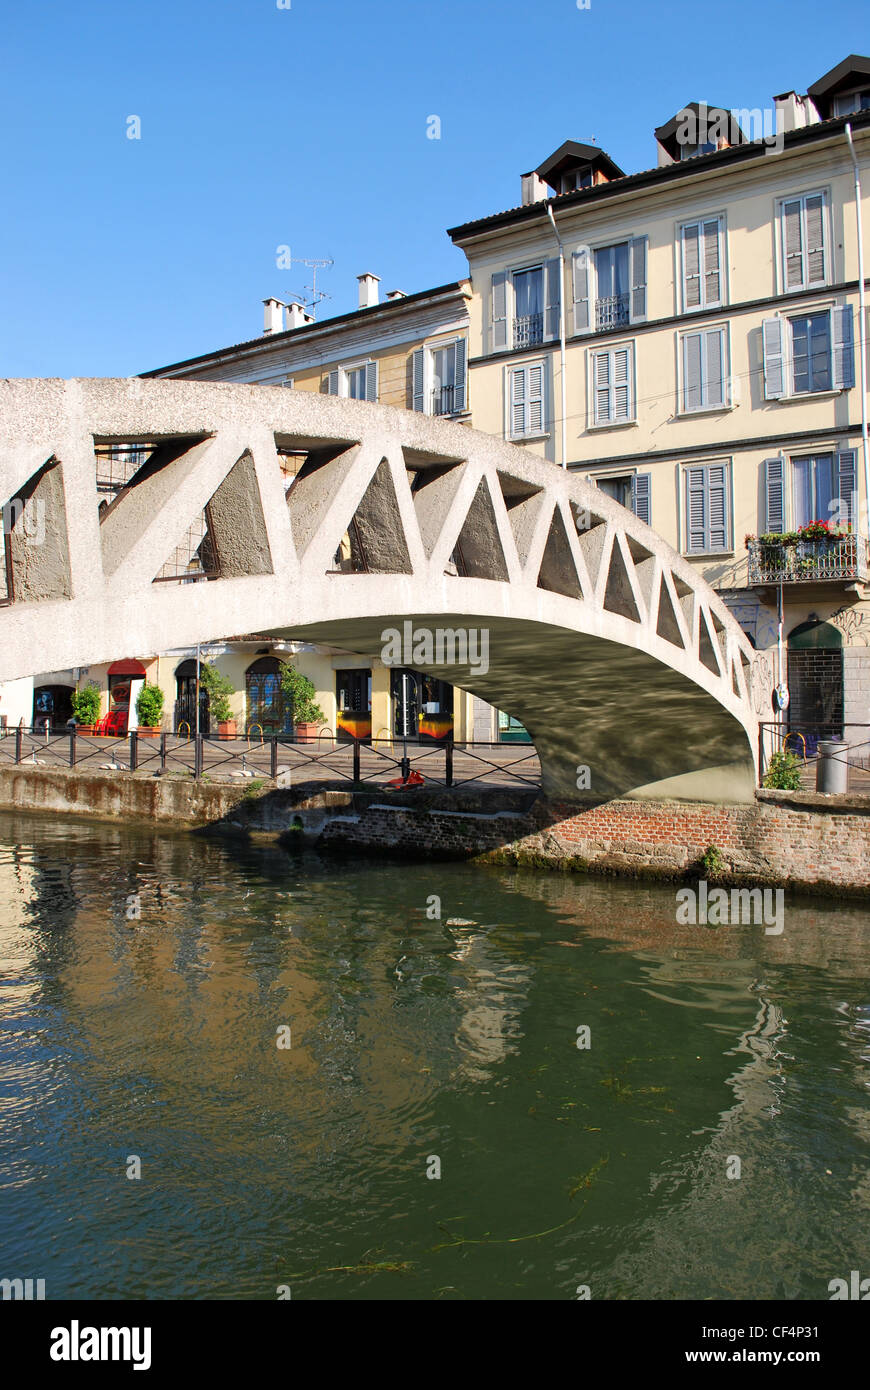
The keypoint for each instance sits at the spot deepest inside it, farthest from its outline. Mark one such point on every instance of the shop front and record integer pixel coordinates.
(353, 705)
(422, 706)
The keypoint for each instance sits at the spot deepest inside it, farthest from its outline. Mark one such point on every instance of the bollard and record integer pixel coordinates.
(832, 769)
(197, 757)
(273, 758)
(448, 764)
(356, 772)
(134, 750)
(163, 751)
(19, 743)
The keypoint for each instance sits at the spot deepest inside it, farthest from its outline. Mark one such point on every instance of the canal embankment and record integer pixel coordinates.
(816, 843)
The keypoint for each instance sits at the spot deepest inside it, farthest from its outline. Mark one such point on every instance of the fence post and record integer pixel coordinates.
(72, 748)
(163, 751)
(448, 763)
(273, 758)
(19, 743)
(197, 757)
(134, 750)
(356, 771)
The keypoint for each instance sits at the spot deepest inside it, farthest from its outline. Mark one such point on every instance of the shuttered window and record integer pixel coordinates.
(818, 487)
(612, 386)
(702, 261)
(808, 352)
(704, 359)
(524, 391)
(708, 508)
(438, 378)
(359, 383)
(802, 238)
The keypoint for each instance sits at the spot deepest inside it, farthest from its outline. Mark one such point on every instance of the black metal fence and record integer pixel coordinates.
(803, 740)
(277, 757)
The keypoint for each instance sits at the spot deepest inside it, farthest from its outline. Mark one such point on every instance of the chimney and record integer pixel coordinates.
(297, 315)
(368, 290)
(273, 316)
(396, 294)
(534, 190)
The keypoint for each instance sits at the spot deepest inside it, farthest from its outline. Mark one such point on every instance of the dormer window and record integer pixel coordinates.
(848, 102)
(574, 179)
(843, 91)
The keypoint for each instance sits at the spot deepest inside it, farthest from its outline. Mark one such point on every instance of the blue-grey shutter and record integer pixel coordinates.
(516, 398)
(774, 372)
(847, 483)
(417, 365)
(637, 273)
(696, 509)
(640, 496)
(371, 381)
(580, 275)
(460, 377)
(552, 298)
(499, 310)
(712, 268)
(774, 493)
(601, 387)
(621, 382)
(792, 244)
(814, 213)
(842, 352)
(692, 343)
(691, 239)
(714, 385)
(718, 503)
(536, 418)
(332, 382)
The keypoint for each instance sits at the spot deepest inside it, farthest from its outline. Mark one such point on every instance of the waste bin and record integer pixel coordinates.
(832, 769)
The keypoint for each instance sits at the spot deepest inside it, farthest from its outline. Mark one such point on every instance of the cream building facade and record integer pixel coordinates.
(690, 337)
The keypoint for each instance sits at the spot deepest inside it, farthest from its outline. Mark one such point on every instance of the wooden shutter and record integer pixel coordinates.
(714, 385)
(460, 377)
(517, 392)
(601, 387)
(580, 275)
(696, 509)
(718, 490)
(774, 371)
(637, 272)
(712, 268)
(692, 344)
(621, 378)
(535, 399)
(774, 493)
(552, 298)
(499, 310)
(691, 266)
(792, 244)
(814, 226)
(640, 496)
(332, 382)
(417, 369)
(847, 482)
(371, 381)
(842, 354)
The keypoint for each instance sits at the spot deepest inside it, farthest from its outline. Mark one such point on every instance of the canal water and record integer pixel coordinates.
(416, 1045)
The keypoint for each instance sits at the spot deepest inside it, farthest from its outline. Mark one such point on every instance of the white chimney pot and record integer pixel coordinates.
(368, 290)
(273, 316)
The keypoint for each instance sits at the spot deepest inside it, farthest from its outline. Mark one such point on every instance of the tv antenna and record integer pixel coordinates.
(314, 264)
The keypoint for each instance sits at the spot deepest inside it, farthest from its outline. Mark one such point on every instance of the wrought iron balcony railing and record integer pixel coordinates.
(843, 557)
(443, 400)
(612, 312)
(528, 330)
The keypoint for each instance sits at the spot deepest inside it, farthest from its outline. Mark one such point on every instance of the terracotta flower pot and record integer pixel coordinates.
(148, 731)
(305, 732)
(227, 728)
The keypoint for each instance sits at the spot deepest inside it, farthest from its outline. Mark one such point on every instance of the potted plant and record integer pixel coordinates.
(86, 707)
(149, 710)
(300, 693)
(219, 688)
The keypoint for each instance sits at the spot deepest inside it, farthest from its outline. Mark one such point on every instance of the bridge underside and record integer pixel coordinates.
(641, 728)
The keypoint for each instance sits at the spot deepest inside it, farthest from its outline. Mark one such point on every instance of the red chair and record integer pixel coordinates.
(113, 724)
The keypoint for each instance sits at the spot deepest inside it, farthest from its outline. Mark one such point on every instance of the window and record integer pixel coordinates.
(813, 487)
(265, 697)
(527, 299)
(810, 352)
(526, 413)
(802, 241)
(613, 386)
(701, 255)
(613, 278)
(708, 508)
(705, 147)
(631, 490)
(358, 382)
(848, 102)
(439, 379)
(704, 366)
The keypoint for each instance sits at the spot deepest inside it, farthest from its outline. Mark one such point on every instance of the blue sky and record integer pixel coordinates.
(307, 126)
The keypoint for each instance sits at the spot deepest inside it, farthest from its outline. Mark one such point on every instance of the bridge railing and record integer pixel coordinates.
(374, 764)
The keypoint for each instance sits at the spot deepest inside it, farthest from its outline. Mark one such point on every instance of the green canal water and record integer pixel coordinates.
(412, 1039)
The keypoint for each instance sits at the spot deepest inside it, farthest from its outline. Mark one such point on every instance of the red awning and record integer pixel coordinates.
(126, 668)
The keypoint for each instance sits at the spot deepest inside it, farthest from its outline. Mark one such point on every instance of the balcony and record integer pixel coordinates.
(443, 400)
(528, 330)
(784, 560)
(612, 312)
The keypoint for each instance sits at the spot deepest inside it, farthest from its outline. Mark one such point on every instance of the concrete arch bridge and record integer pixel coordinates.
(331, 521)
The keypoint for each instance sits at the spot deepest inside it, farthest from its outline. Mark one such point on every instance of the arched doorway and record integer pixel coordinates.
(265, 703)
(52, 705)
(815, 681)
(185, 700)
(126, 679)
